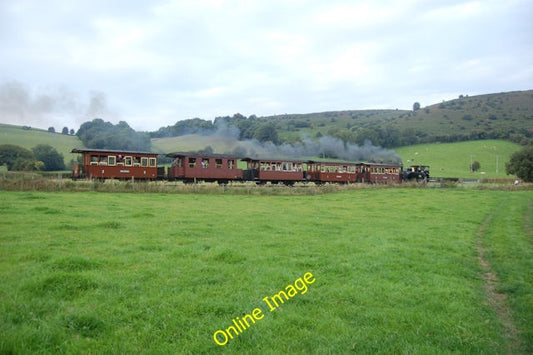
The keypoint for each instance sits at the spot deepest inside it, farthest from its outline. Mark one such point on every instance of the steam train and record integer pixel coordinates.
(222, 168)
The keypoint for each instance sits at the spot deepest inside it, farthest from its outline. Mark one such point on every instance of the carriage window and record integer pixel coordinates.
(103, 160)
(231, 163)
(192, 162)
(111, 160)
(94, 159)
(137, 161)
(177, 162)
(205, 163)
(153, 162)
(128, 161)
(218, 163)
(144, 161)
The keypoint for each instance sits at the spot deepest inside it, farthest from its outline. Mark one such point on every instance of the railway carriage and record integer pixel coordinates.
(189, 166)
(116, 164)
(379, 173)
(274, 170)
(336, 172)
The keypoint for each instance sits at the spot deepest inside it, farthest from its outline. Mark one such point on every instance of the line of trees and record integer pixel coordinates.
(249, 128)
(65, 130)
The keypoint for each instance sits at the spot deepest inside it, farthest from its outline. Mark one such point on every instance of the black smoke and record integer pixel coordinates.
(325, 147)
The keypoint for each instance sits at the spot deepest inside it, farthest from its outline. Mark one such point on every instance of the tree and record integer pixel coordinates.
(49, 156)
(10, 154)
(267, 132)
(65, 130)
(416, 106)
(72, 131)
(104, 135)
(475, 166)
(521, 164)
(51, 130)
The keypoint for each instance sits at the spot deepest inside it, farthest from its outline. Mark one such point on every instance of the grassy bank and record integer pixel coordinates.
(397, 271)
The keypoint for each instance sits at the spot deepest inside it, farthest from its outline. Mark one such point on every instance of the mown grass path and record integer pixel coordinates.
(513, 323)
(397, 271)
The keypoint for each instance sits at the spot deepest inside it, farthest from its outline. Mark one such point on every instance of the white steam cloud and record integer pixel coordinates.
(51, 106)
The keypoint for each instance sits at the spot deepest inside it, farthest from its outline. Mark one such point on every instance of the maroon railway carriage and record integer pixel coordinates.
(115, 164)
(274, 170)
(206, 167)
(338, 172)
(379, 173)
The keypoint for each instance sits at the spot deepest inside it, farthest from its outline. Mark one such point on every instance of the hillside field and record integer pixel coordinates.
(392, 271)
(10, 134)
(453, 159)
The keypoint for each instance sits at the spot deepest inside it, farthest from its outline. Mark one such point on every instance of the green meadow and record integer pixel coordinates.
(394, 271)
(10, 134)
(454, 159)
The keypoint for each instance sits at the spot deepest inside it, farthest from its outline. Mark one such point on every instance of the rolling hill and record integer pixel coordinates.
(502, 116)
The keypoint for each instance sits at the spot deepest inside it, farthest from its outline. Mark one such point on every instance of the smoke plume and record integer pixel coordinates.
(51, 106)
(225, 139)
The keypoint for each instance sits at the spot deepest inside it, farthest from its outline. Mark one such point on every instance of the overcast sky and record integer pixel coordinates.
(152, 63)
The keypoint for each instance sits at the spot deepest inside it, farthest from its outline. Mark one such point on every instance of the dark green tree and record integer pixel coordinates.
(10, 153)
(416, 106)
(267, 132)
(104, 135)
(521, 164)
(51, 158)
(64, 130)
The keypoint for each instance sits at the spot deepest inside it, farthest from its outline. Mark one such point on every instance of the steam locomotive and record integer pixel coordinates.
(222, 168)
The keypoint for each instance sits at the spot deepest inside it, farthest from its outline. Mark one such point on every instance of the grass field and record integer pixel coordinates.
(394, 270)
(453, 159)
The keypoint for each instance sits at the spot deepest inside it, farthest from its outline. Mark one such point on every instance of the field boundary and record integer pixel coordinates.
(495, 300)
(56, 182)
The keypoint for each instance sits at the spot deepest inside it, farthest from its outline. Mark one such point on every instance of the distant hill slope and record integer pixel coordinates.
(505, 115)
(493, 116)
(10, 134)
(483, 115)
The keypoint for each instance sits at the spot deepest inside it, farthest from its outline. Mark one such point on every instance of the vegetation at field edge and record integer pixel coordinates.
(396, 271)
